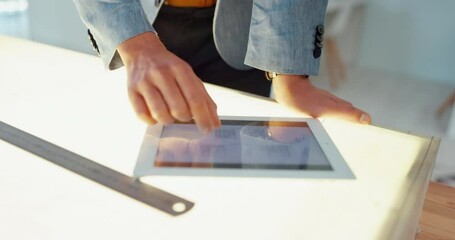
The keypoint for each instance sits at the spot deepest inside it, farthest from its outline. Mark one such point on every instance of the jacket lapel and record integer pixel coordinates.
(231, 29)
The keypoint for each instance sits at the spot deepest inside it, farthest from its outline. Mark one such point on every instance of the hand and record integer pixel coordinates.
(297, 92)
(162, 87)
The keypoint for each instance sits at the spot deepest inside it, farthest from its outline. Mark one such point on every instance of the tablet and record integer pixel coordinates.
(242, 147)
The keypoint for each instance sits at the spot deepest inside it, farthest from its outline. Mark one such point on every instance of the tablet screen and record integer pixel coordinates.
(241, 144)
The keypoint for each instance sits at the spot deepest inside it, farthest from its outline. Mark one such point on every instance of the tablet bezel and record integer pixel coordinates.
(340, 170)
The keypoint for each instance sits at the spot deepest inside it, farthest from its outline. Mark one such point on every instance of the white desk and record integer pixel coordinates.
(68, 99)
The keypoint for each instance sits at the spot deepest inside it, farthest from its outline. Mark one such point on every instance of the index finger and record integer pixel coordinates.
(201, 105)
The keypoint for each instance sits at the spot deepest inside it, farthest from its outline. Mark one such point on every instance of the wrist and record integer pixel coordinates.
(287, 79)
(289, 85)
(144, 42)
(273, 75)
(294, 76)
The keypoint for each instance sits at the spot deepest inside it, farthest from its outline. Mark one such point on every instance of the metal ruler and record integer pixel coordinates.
(96, 172)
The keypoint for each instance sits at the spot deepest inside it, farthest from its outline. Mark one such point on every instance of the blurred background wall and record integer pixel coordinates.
(410, 37)
(57, 22)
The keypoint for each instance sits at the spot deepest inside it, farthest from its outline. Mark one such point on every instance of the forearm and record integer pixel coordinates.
(135, 47)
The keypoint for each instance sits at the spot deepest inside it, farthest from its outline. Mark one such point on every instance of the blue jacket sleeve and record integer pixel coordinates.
(111, 22)
(283, 36)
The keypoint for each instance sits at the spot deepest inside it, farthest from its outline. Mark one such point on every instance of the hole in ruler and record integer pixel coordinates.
(179, 207)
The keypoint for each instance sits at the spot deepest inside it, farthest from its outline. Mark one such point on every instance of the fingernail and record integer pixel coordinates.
(365, 118)
(146, 119)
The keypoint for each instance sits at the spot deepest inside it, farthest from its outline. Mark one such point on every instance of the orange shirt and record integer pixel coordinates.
(190, 3)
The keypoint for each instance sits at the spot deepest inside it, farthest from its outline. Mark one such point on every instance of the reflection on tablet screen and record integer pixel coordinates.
(242, 144)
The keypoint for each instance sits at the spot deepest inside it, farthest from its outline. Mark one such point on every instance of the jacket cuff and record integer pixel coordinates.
(111, 23)
(283, 38)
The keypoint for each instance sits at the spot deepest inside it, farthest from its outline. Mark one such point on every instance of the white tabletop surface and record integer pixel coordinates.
(69, 99)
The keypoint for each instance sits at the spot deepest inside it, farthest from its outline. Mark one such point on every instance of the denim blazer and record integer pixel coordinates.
(283, 36)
